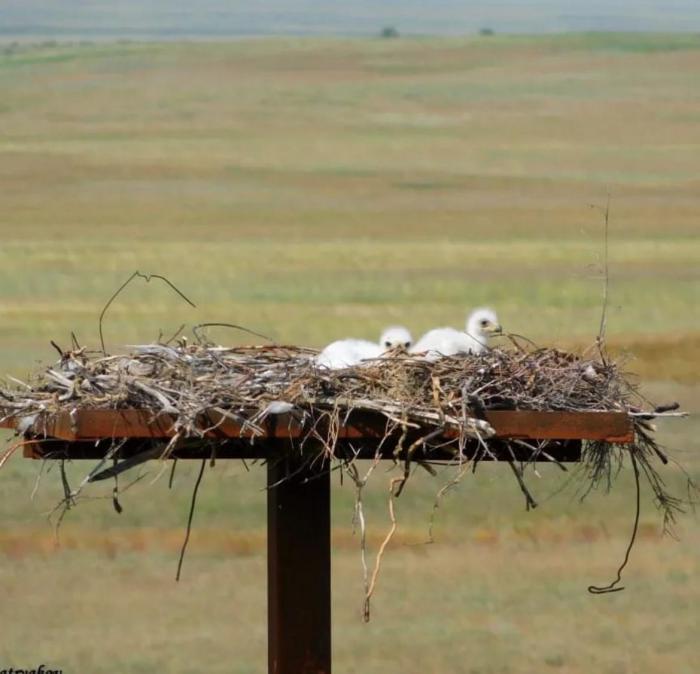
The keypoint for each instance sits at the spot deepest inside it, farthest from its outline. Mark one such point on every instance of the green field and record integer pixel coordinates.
(316, 189)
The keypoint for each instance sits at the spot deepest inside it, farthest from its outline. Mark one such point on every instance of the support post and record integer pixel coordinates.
(298, 568)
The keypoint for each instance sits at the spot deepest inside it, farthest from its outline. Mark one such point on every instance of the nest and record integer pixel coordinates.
(249, 384)
(186, 380)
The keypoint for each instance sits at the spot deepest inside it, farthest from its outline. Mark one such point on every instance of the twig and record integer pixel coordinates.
(115, 491)
(359, 515)
(37, 482)
(10, 451)
(189, 519)
(604, 312)
(195, 330)
(607, 589)
(57, 347)
(147, 278)
(382, 548)
(529, 501)
(172, 473)
(174, 335)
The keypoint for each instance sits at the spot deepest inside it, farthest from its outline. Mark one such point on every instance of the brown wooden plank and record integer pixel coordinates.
(527, 424)
(523, 424)
(86, 424)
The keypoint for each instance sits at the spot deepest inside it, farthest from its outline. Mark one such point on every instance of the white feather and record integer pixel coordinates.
(480, 325)
(350, 352)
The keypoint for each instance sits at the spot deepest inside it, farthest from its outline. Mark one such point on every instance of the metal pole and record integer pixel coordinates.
(298, 568)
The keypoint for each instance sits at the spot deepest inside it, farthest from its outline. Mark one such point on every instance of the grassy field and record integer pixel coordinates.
(314, 189)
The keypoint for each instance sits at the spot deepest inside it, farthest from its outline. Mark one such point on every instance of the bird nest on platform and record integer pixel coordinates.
(248, 385)
(426, 408)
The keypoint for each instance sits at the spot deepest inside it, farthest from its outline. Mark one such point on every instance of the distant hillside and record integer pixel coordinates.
(94, 19)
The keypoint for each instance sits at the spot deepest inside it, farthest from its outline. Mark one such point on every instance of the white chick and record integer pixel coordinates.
(481, 325)
(349, 352)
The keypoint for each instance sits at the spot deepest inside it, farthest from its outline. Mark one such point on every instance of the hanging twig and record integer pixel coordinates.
(10, 451)
(115, 490)
(382, 548)
(189, 519)
(593, 589)
(37, 482)
(172, 473)
(359, 514)
(529, 500)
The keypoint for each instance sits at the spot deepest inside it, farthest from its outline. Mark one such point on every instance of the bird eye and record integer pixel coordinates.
(484, 323)
(407, 344)
(387, 344)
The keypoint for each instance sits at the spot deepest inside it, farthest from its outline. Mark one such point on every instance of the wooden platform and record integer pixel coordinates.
(86, 433)
(298, 500)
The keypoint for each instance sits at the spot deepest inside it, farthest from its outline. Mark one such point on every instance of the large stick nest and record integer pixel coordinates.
(186, 380)
(248, 383)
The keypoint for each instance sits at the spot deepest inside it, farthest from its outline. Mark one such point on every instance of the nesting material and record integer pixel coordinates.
(419, 398)
(188, 379)
(247, 384)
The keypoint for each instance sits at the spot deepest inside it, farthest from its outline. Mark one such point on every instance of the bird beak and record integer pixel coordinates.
(494, 329)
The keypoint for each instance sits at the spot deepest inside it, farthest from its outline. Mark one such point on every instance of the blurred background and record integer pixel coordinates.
(315, 171)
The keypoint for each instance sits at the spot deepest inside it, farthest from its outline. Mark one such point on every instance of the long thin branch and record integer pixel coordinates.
(147, 278)
(382, 548)
(606, 282)
(189, 519)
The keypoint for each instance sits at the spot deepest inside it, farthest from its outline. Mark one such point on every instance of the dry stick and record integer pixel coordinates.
(67, 502)
(189, 520)
(10, 451)
(402, 437)
(159, 474)
(174, 335)
(426, 467)
(57, 347)
(147, 278)
(75, 496)
(514, 336)
(538, 451)
(67, 491)
(115, 491)
(409, 455)
(195, 330)
(37, 482)
(593, 589)
(126, 464)
(655, 415)
(359, 515)
(380, 554)
(529, 501)
(172, 473)
(604, 312)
